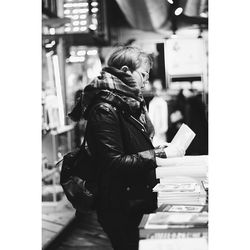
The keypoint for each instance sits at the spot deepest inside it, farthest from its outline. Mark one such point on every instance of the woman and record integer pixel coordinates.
(118, 135)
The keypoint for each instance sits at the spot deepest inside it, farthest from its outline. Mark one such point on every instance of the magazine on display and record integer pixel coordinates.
(180, 190)
(175, 220)
(176, 235)
(182, 208)
(180, 244)
(169, 224)
(175, 187)
(170, 231)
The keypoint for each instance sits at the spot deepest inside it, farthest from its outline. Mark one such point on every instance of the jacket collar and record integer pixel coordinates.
(111, 98)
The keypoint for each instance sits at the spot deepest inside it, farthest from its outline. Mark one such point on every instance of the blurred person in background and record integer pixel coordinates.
(158, 113)
(119, 137)
(176, 120)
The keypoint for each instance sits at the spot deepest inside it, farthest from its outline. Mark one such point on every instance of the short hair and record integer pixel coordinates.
(129, 56)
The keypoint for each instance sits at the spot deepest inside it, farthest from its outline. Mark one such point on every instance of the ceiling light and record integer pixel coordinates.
(67, 29)
(81, 52)
(75, 17)
(204, 14)
(178, 11)
(83, 28)
(94, 4)
(75, 11)
(76, 29)
(76, 59)
(92, 26)
(92, 52)
(75, 23)
(83, 16)
(66, 12)
(50, 45)
(83, 22)
(52, 31)
(94, 10)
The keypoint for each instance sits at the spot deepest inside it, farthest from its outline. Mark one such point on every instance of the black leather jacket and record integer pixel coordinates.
(125, 157)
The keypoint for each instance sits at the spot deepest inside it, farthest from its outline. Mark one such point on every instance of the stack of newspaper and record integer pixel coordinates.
(175, 221)
(180, 190)
(180, 177)
(192, 166)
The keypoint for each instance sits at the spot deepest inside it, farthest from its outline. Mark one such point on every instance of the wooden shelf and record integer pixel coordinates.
(185, 78)
(48, 172)
(63, 129)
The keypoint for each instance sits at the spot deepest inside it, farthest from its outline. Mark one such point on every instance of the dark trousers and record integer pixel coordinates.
(121, 228)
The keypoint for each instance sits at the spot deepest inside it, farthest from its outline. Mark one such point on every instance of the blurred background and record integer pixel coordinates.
(77, 37)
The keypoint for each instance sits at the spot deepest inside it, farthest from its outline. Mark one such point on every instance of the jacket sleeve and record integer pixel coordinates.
(106, 133)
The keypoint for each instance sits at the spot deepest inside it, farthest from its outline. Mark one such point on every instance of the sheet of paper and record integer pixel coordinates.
(183, 137)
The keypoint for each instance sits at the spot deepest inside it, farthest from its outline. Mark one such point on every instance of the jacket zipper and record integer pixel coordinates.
(138, 122)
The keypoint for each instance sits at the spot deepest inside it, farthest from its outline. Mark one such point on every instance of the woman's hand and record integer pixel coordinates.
(174, 151)
(159, 150)
(163, 145)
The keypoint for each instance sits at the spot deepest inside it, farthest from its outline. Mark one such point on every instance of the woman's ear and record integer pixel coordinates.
(125, 68)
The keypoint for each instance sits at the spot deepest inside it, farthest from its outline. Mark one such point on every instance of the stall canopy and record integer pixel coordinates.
(159, 15)
(145, 15)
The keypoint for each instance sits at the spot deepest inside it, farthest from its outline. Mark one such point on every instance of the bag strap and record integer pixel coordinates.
(84, 143)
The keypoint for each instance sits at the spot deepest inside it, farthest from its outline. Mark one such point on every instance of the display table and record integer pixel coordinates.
(181, 220)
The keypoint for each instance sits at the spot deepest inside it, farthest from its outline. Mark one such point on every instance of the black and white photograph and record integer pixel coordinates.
(124, 125)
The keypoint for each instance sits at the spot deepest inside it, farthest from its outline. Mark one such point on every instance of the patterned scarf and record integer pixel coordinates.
(123, 87)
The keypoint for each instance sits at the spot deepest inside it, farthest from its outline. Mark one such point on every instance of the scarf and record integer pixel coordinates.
(118, 85)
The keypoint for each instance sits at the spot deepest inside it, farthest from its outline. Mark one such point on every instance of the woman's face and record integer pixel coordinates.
(141, 74)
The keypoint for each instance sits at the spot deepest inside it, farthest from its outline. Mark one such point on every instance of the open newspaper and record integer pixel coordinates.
(183, 137)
